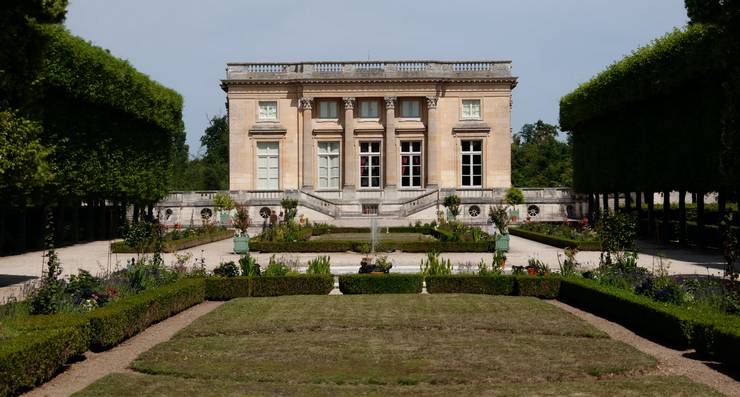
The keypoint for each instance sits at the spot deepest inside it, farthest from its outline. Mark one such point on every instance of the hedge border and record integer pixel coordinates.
(547, 287)
(354, 284)
(471, 284)
(120, 247)
(225, 288)
(383, 246)
(559, 242)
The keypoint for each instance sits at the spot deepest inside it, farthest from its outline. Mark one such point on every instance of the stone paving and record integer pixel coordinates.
(96, 258)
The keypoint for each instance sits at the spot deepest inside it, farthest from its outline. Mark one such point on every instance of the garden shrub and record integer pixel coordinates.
(226, 269)
(319, 266)
(130, 315)
(658, 321)
(276, 268)
(184, 240)
(380, 284)
(229, 288)
(556, 241)
(470, 284)
(433, 265)
(258, 245)
(36, 355)
(541, 287)
(249, 266)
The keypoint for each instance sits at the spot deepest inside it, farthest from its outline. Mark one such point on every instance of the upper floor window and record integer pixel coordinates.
(328, 165)
(410, 108)
(267, 110)
(471, 109)
(369, 109)
(472, 163)
(327, 109)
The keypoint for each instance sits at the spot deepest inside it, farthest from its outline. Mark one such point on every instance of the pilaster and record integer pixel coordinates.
(349, 155)
(306, 105)
(433, 143)
(391, 160)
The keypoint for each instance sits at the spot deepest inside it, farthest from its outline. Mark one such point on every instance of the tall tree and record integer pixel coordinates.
(209, 171)
(539, 159)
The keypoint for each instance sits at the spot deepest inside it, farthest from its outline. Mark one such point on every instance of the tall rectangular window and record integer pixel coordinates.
(327, 109)
(369, 164)
(328, 165)
(369, 109)
(267, 110)
(410, 108)
(268, 165)
(471, 109)
(472, 163)
(411, 164)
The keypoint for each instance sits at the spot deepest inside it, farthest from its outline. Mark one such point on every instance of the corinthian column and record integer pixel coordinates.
(433, 143)
(349, 171)
(391, 173)
(305, 104)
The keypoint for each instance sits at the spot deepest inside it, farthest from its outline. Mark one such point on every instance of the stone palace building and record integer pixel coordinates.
(387, 139)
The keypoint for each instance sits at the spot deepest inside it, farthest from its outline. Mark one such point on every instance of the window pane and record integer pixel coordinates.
(375, 160)
(375, 181)
(410, 108)
(417, 160)
(417, 181)
(477, 180)
(476, 145)
(405, 146)
(376, 147)
(416, 146)
(465, 160)
(327, 110)
(369, 109)
(466, 180)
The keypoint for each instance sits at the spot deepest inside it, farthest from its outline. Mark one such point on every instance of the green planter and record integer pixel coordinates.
(224, 217)
(502, 242)
(241, 244)
(514, 215)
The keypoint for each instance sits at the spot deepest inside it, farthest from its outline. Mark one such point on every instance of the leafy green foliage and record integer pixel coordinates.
(539, 159)
(226, 269)
(24, 168)
(320, 265)
(452, 203)
(290, 208)
(500, 218)
(470, 284)
(228, 288)
(223, 202)
(617, 233)
(249, 266)
(380, 284)
(541, 287)
(210, 169)
(433, 265)
(514, 196)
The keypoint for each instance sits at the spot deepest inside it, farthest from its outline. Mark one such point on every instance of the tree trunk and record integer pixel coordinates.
(682, 217)
(90, 220)
(605, 199)
(638, 209)
(22, 229)
(76, 223)
(628, 201)
(650, 198)
(700, 219)
(592, 208)
(666, 216)
(136, 214)
(616, 202)
(2, 230)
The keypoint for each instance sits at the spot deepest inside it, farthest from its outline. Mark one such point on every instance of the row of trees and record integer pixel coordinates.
(82, 134)
(210, 169)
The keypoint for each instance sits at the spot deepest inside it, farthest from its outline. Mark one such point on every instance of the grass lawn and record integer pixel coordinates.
(431, 345)
(366, 237)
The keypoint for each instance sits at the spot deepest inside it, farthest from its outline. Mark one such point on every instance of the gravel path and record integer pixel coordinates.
(96, 365)
(670, 361)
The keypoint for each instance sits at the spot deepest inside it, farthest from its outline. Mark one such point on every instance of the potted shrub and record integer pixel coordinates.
(241, 223)
(514, 196)
(536, 267)
(498, 216)
(452, 203)
(223, 204)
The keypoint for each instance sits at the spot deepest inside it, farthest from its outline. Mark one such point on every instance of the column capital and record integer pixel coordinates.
(349, 102)
(305, 102)
(432, 102)
(390, 102)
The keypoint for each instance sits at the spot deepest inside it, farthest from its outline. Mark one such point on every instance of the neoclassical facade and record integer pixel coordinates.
(358, 138)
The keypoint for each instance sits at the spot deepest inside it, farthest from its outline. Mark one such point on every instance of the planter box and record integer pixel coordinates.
(241, 244)
(502, 242)
(224, 217)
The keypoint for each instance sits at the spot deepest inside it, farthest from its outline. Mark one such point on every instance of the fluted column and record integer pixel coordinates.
(306, 104)
(391, 172)
(433, 143)
(350, 171)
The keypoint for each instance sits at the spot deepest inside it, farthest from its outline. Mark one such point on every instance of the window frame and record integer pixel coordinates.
(370, 176)
(323, 102)
(411, 154)
(277, 110)
(405, 116)
(466, 152)
(462, 109)
(377, 108)
(257, 166)
(319, 156)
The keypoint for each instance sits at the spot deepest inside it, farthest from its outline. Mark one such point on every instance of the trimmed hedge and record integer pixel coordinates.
(130, 315)
(383, 246)
(381, 284)
(225, 288)
(662, 322)
(541, 287)
(471, 284)
(46, 344)
(120, 247)
(559, 242)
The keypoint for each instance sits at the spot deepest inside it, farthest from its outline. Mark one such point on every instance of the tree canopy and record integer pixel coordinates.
(210, 171)
(539, 159)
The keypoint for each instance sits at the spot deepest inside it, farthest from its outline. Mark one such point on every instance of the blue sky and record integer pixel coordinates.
(554, 44)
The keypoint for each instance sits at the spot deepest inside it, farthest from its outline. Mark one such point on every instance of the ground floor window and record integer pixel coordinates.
(369, 164)
(472, 163)
(268, 165)
(328, 165)
(411, 164)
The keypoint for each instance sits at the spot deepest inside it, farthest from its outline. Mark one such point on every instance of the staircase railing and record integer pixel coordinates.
(319, 204)
(419, 203)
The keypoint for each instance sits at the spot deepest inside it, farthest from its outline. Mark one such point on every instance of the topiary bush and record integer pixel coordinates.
(380, 284)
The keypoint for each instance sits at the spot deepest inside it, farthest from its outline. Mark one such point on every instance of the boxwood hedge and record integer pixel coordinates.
(120, 247)
(471, 284)
(225, 288)
(128, 316)
(383, 246)
(380, 284)
(541, 287)
(559, 242)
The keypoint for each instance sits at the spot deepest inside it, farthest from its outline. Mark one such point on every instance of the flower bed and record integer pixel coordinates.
(175, 241)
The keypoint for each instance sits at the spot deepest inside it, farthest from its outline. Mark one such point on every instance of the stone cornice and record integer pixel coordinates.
(511, 81)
